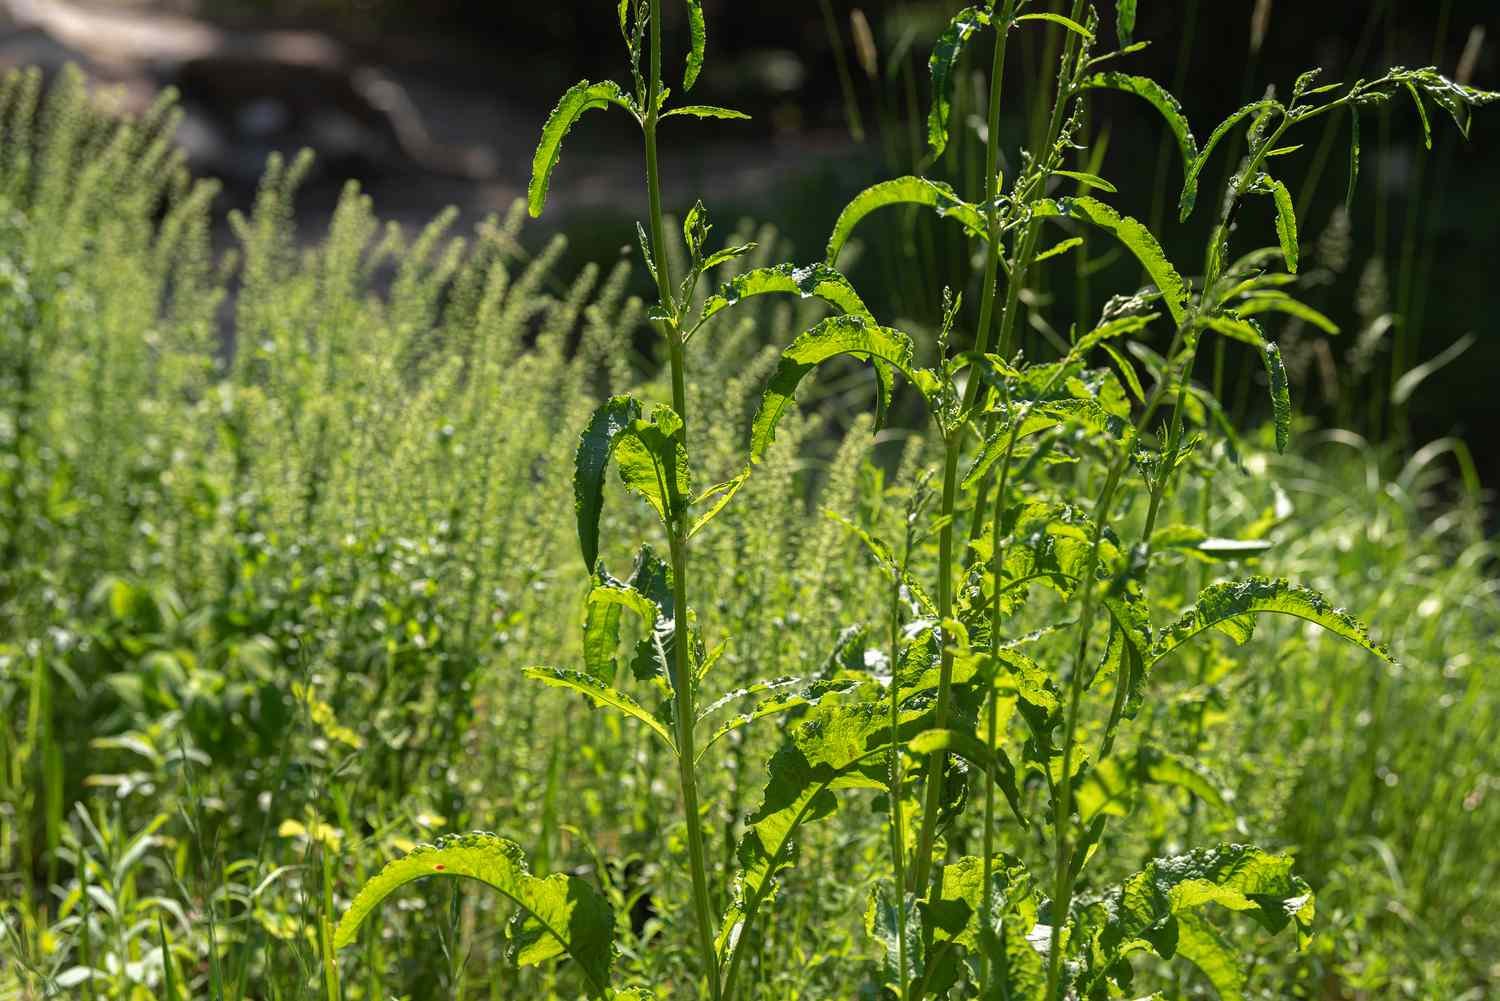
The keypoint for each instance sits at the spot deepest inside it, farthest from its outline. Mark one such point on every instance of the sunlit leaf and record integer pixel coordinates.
(582, 96)
(595, 446)
(1135, 236)
(903, 191)
(942, 64)
(559, 914)
(1159, 98)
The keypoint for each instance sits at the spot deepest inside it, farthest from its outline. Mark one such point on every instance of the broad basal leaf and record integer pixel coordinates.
(595, 446)
(1159, 98)
(1136, 237)
(884, 347)
(1231, 605)
(903, 191)
(582, 96)
(943, 63)
(558, 914)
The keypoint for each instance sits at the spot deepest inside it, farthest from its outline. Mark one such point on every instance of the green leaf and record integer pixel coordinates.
(582, 96)
(1125, 20)
(903, 191)
(1286, 221)
(1230, 606)
(839, 745)
(1135, 236)
(814, 281)
(648, 594)
(943, 62)
(1160, 99)
(1281, 399)
(885, 348)
(601, 695)
(653, 463)
(1059, 248)
(1272, 300)
(559, 914)
(991, 761)
(1207, 948)
(1066, 22)
(727, 254)
(170, 989)
(954, 916)
(707, 111)
(595, 446)
(698, 34)
(1048, 414)
(1190, 184)
(720, 494)
(1088, 180)
(1143, 911)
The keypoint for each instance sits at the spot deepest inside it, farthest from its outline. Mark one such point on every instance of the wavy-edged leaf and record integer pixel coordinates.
(698, 41)
(1286, 221)
(653, 463)
(582, 96)
(1229, 606)
(954, 913)
(942, 63)
(839, 745)
(1189, 197)
(559, 914)
(601, 695)
(595, 446)
(1136, 238)
(1143, 911)
(706, 111)
(812, 281)
(1048, 414)
(1059, 19)
(1281, 397)
(903, 191)
(647, 594)
(885, 347)
(1159, 98)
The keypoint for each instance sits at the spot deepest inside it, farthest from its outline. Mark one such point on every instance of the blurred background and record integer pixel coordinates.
(430, 103)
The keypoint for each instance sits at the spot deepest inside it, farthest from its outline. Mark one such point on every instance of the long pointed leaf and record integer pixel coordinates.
(902, 191)
(582, 96)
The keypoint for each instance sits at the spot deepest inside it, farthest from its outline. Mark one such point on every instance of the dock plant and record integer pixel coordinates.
(1054, 495)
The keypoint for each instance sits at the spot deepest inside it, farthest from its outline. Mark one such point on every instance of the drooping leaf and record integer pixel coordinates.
(1286, 222)
(1048, 414)
(903, 191)
(1230, 606)
(942, 63)
(1416, 98)
(719, 495)
(1159, 98)
(813, 281)
(1190, 185)
(1281, 399)
(647, 594)
(582, 96)
(595, 446)
(885, 348)
(698, 39)
(559, 914)
(601, 695)
(992, 761)
(1136, 238)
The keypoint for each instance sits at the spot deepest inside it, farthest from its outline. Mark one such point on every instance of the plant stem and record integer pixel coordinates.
(682, 680)
(952, 442)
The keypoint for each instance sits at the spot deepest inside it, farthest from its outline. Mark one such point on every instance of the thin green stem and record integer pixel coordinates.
(682, 680)
(953, 440)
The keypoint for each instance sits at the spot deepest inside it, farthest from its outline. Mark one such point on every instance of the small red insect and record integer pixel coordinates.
(439, 867)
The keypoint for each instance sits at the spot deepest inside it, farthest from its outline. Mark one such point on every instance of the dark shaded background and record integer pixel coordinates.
(437, 102)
